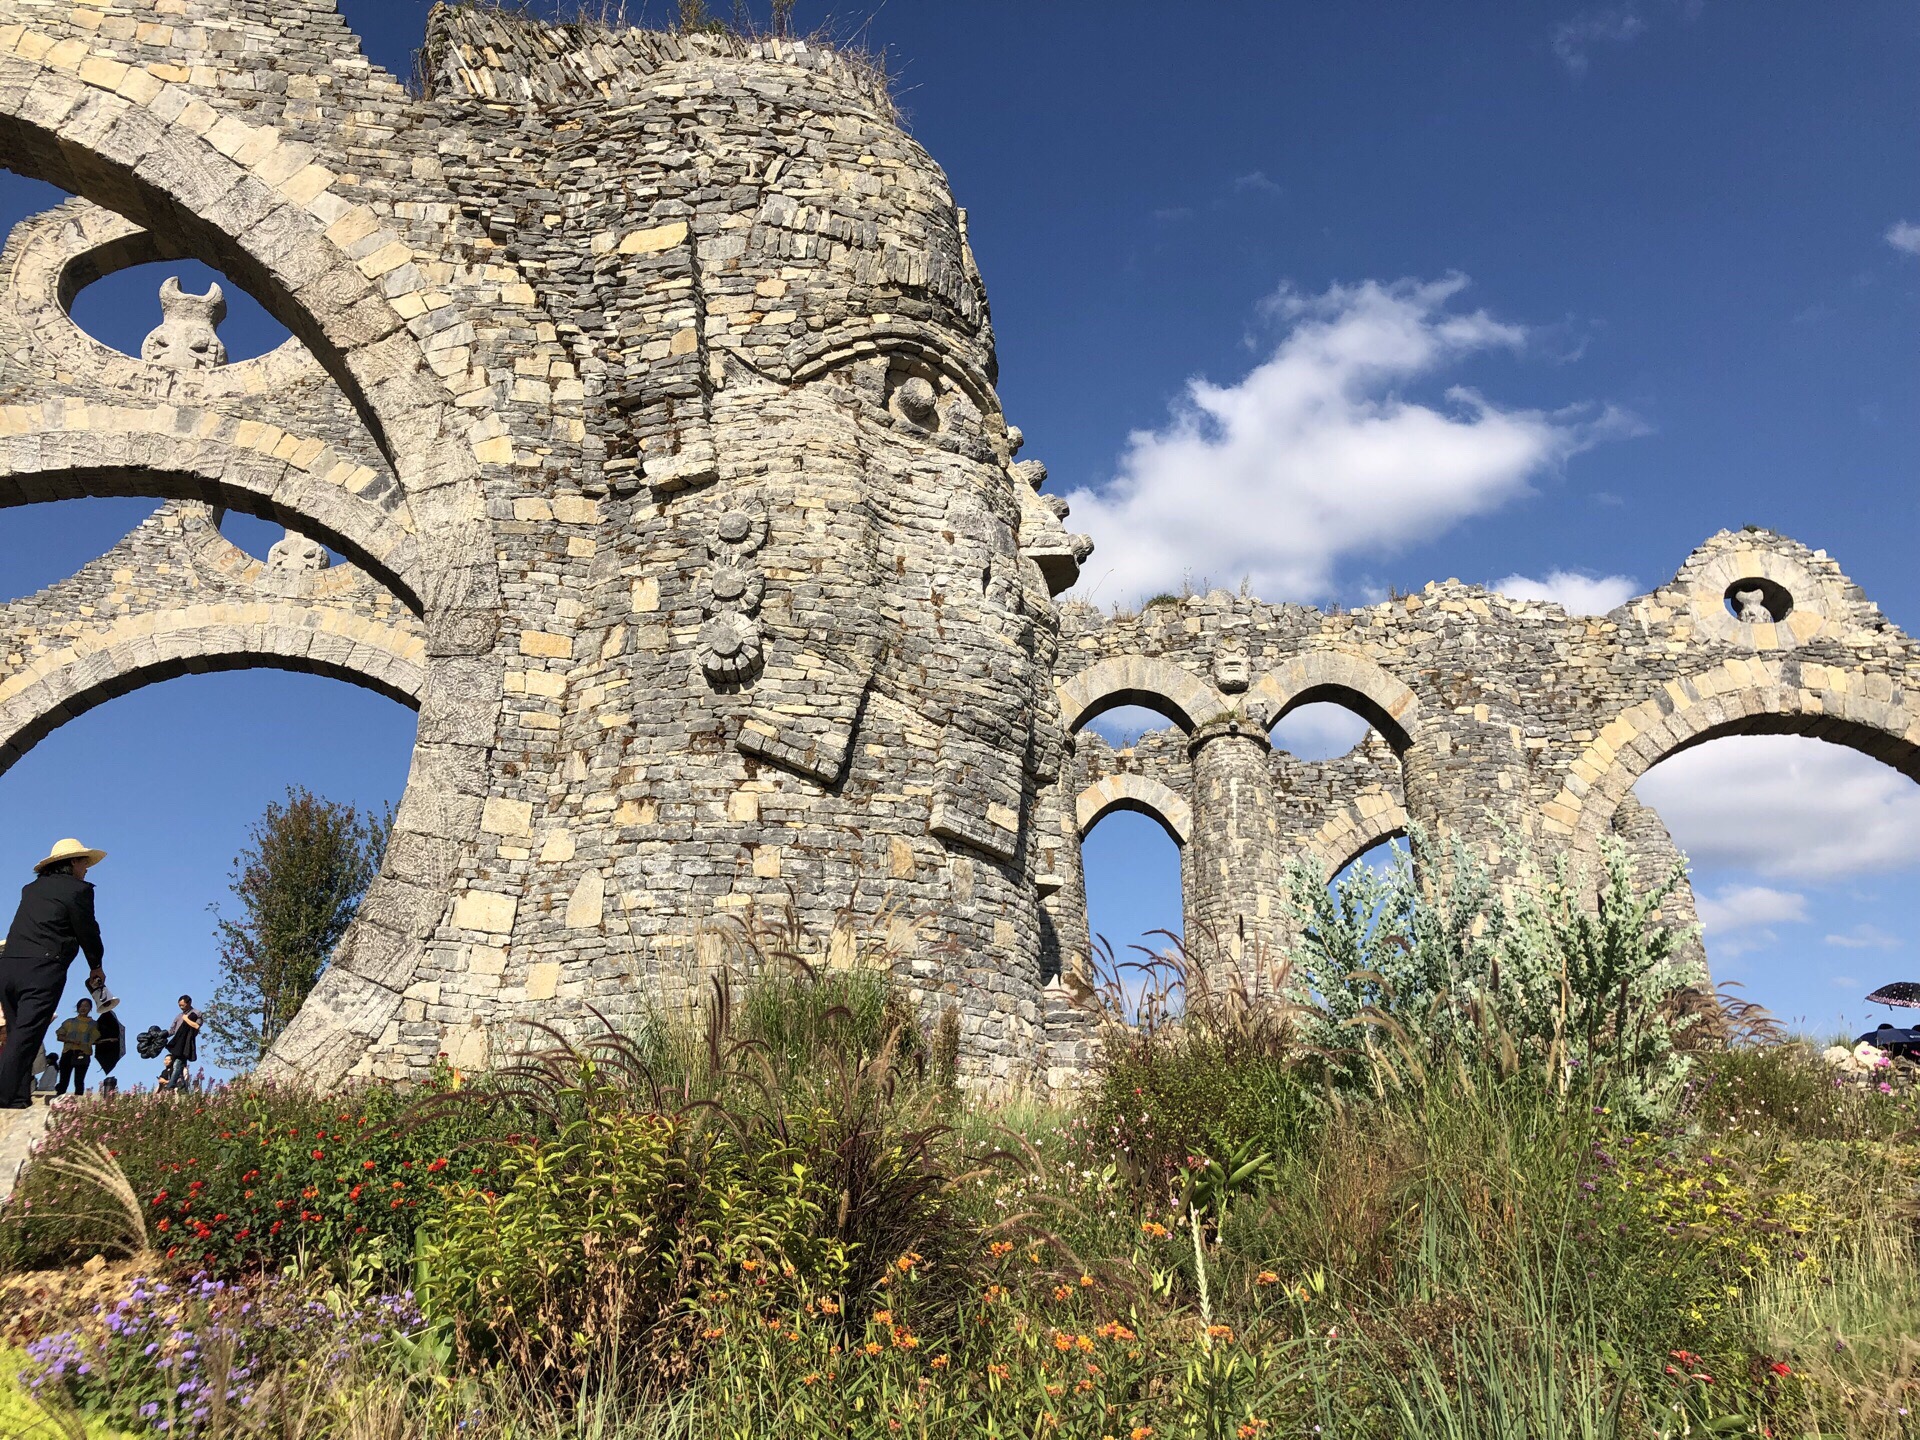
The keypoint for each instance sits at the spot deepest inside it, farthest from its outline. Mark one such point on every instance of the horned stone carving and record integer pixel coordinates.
(295, 554)
(185, 338)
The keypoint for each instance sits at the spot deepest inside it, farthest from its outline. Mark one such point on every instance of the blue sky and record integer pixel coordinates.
(1601, 279)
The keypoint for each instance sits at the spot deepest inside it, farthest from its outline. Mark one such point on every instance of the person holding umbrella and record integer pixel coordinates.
(54, 923)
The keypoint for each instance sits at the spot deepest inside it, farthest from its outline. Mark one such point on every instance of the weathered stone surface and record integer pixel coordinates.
(645, 383)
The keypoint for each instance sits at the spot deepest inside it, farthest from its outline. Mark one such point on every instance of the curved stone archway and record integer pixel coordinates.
(1141, 794)
(63, 452)
(1345, 679)
(1370, 818)
(1157, 685)
(1864, 711)
(142, 650)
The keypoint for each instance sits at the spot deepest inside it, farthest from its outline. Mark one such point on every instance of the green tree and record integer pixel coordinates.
(299, 882)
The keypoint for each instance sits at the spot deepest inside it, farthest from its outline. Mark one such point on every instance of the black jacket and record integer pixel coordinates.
(55, 922)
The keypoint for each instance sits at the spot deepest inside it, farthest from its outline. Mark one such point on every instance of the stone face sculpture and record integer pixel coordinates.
(185, 338)
(1232, 670)
(1751, 608)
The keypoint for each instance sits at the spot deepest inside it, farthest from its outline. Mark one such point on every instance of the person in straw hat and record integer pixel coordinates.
(53, 924)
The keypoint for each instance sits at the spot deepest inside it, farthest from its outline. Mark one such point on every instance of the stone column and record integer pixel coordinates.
(1654, 856)
(1235, 870)
(1469, 782)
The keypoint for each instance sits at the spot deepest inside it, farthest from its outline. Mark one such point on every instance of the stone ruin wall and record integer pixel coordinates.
(644, 384)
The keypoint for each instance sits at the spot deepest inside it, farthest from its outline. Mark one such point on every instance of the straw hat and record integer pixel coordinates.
(71, 849)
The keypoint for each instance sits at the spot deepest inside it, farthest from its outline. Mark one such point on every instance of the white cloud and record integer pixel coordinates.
(1319, 731)
(1785, 807)
(1258, 181)
(1904, 235)
(1750, 907)
(1317, 453)
(1866, 937)
(1609, 25)
(1843, 982)
(1125, 724)
(1577, 594)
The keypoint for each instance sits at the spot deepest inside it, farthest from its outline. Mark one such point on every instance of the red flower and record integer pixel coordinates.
(319, 1154)
(367, 1165)
(1780, 1367)
(164, 1226)
(437, 1166)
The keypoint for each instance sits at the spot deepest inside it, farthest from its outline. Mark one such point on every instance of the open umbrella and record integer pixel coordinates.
(1901, 992)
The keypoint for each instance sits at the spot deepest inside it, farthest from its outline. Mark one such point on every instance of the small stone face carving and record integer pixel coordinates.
(185, 339)
(1232, 670)
(297, 555)
(1750, 607)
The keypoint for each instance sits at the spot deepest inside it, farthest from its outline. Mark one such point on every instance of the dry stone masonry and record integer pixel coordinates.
(645, 385)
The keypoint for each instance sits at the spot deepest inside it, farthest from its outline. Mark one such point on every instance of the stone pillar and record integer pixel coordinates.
(1654, 855)
(1469, 782)
(1235, 871)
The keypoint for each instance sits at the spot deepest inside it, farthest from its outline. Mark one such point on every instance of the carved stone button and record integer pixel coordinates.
(737, 587)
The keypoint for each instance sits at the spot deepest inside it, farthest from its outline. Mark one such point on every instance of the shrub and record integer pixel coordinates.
(1211, 1072)
(247, 1176)
(202, 1356)
(802, 1164)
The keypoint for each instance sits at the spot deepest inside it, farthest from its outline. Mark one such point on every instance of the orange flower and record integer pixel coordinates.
(1266, 1277)
(1061, 1292)
(871, 1347)
(906, 1262)
(883, 1317)
(1155, 1229)
(1062, 1341)
(939, 1362)
(828, 1307)
(1140, 1432)
(1085, 1281)
(998, 1372)
(1000, 1248)
(714, 1334)
(1219, 1332)
(1114, 1330)
(813, 1379)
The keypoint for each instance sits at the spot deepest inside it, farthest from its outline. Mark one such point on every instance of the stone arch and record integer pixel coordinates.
(1864, 711)
(141, 650)
(1158, 685)
(61, 451)
(117, 135)
(1370, 818)
(1345, 679)
(1141, 794)
(49, 258)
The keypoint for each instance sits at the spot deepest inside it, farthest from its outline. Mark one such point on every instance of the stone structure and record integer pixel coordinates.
(644, 384)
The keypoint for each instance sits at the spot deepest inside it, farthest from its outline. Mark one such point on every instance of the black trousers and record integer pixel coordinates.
(30, 989)
(73, 1066)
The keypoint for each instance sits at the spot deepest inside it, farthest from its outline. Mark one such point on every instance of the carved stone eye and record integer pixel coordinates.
(918, 402)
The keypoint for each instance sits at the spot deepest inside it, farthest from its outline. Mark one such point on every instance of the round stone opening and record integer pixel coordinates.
(1759, 601)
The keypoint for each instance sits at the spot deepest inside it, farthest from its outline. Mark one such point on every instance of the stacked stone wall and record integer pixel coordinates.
(646, 383)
